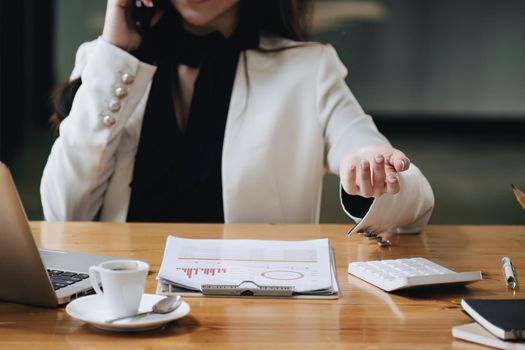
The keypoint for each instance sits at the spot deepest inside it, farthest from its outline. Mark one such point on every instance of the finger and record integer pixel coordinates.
(352, 180)
(365, 182)
(392, 180)
(399, 161)
(350, 183)
(379, 176)
(392, 184)
(147, 3)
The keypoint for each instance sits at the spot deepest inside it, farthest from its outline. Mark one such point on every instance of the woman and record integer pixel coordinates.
(219, 113)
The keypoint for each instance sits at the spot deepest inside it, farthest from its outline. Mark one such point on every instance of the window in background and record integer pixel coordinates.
(445, 81)
(433, 57)
(26, 51)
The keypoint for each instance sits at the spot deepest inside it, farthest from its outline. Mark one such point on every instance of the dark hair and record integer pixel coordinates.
(284, 18)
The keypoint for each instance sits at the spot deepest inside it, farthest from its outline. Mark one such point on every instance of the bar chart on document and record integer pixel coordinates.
(305, 265)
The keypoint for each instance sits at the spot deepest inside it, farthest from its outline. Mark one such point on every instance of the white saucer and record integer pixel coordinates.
(91, 309)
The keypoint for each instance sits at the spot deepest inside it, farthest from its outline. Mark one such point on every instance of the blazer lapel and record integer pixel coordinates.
(239, 93)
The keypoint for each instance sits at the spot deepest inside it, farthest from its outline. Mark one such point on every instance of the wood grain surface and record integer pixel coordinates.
(364, 317)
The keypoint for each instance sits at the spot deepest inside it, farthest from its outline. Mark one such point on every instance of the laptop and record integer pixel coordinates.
(31, 276)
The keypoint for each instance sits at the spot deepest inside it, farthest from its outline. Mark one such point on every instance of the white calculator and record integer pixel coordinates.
(396, 274)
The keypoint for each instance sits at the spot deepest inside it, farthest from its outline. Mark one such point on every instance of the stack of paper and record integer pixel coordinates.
(306, 266)
(474, 332)
(500, 323)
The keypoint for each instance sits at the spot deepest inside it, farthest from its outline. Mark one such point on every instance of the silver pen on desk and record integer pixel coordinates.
(508, 271)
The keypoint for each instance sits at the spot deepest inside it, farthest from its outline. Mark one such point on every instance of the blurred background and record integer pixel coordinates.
(443, 79)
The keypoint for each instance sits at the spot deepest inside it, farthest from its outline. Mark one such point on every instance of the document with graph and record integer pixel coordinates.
(305, 266)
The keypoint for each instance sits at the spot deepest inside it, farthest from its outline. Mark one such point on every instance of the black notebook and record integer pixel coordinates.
(505, 318)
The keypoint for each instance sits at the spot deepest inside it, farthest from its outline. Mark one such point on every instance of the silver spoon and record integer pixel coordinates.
(163, 306)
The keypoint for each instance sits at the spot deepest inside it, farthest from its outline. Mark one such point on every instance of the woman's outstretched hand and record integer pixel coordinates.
(116, 29)
(372, 171)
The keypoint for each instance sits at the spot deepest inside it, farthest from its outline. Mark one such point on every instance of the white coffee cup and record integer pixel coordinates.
(123, 283)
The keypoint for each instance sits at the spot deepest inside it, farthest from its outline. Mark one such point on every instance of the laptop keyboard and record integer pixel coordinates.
(62, 279)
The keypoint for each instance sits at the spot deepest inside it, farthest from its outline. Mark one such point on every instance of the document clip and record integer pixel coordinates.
(247, 289)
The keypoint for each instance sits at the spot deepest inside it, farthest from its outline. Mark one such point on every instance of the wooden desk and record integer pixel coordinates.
(364, 316)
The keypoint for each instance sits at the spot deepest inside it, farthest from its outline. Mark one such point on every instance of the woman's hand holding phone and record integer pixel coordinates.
(117, 29)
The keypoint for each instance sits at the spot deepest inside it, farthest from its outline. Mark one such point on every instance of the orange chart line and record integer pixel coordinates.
(251, 260)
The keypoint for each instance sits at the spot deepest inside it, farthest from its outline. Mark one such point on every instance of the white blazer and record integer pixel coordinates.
(290, 122)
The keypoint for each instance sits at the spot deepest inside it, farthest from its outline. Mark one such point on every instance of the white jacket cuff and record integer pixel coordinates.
(407, 212)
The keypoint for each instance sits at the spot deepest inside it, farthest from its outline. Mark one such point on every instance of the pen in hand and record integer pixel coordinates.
(508, 271)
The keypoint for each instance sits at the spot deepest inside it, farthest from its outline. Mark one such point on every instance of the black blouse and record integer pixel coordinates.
(177, 173)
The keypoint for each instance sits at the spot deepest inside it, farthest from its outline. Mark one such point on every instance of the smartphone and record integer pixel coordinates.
(139, 16)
